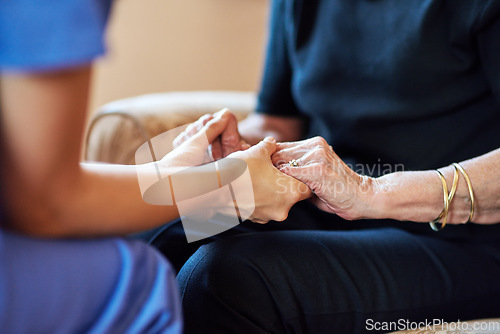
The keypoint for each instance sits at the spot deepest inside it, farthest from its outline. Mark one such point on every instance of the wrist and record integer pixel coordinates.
(406, 196)
(372, 197)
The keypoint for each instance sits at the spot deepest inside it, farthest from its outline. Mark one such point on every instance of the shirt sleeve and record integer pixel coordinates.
(488, 38)
(275, 96)
(47, 35)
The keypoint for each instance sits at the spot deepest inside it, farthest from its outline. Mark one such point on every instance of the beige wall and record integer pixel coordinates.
(171, 45)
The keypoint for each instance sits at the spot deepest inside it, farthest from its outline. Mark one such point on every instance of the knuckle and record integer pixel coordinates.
(205, 118)
(277, 157)
(280, 216)
(177, 142)
(191, 129)
(319, 140)
(294, 197)
(212, 126)
(231, 115)
(261, 150)
(317, 187)
(180, 139)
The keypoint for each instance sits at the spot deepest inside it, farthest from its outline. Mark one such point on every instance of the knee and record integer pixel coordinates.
(219, 268)
(225, 286)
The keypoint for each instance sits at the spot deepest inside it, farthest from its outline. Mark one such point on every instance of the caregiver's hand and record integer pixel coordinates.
(274, 192)
(225, 143)
(192, 145)
(338, 188)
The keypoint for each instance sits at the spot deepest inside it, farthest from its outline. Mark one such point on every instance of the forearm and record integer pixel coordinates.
(46, 190)
(258, 126)
(105, 199)
(97, 200)
(418, 196)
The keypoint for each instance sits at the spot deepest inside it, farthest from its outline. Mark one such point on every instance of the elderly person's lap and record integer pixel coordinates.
(336, 281)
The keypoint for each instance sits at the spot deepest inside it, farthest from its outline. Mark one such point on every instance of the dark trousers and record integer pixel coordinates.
(316, 273)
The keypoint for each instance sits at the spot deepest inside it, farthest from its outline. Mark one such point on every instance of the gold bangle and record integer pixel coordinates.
(451, 194)
(454, 185)
(471, 193)
(444, 214)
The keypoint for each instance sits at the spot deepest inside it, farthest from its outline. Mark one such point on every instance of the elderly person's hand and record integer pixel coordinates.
(337, 188)
(269, 195)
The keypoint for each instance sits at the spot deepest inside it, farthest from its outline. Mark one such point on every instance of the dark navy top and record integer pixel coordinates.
(409, 83)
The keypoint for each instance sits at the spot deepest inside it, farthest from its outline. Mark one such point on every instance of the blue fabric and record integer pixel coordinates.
(41, 35)
(87, 286)
(91, 286)
(410, 83)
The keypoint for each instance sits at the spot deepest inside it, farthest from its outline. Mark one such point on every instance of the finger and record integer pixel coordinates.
(285, 145)
(302, 155)
(216, 149)
(280, 158)
(288, 151)
(191, 130)
(222, 111)
(181, 138)
(303, 145)
(268, 144)
(257, 220)
(244, 145)
(195, 127)
(205, 119)
(215, 126)
(208, 133)
(230, 138)
(297, 165)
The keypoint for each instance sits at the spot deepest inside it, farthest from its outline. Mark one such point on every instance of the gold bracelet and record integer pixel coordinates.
(454, 185)
(471, 193)
(444, 214)
(451, 194)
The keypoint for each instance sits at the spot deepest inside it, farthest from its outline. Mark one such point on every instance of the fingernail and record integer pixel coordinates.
(269, 139)
(224, 111)
(221, 113)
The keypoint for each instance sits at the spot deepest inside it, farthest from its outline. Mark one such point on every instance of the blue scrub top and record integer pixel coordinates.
(74, 286)
(41, 35)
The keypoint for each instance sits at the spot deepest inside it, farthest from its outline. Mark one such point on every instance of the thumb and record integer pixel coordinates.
(215, 126)
(268, 144)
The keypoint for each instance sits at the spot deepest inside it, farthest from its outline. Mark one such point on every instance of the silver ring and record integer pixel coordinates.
(293, 163)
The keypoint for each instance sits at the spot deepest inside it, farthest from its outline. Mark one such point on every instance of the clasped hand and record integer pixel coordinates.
(274, 192)
(336, 187)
